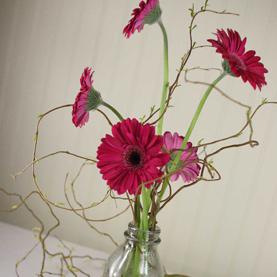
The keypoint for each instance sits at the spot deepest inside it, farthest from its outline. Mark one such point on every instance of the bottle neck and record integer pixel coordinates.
(136, 235)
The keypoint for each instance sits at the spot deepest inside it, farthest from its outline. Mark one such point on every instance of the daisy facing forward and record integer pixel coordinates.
(131, 157)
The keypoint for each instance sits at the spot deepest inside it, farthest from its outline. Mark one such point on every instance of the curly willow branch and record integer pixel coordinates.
(66, 260)
(42, 237)
(35, 161)
(240, 132)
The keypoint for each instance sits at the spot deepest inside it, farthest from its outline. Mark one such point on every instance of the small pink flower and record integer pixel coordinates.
(131, 156)
(189, 162)
(146, 13)
(241, 63)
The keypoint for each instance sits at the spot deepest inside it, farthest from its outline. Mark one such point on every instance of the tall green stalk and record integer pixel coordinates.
(165, 80)
(147, 192)
(194, 120)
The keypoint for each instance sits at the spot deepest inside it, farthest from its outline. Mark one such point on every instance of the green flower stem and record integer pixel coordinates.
(136, 254)
(136, 261)
(137, 211)
(147, 192)
(146, 201)
(195, 118)
(165, 81)
(113, 110)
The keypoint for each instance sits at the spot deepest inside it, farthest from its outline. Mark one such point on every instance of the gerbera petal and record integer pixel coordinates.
(148, 133)
(155, 144)
(174, 177)
(177, 141)
(168, 141)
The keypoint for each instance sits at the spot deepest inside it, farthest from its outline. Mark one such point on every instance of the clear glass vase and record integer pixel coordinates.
(137, 257)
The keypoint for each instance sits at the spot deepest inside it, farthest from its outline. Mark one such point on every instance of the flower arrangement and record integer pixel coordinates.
(139, 160)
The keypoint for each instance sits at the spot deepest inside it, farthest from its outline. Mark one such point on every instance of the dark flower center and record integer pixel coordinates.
(133, 157)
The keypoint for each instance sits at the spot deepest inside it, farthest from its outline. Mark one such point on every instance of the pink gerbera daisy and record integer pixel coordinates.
(239, 62)
(131, 157)
(86, 100)
(189, 167)
(147, 13)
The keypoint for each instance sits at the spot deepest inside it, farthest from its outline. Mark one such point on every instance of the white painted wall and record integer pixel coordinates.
(225, 229)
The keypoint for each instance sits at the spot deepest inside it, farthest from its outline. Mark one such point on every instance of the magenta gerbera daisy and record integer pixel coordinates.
(239, 62)
(131, 157)
(86, 100)
(189, 167)
(148, 12)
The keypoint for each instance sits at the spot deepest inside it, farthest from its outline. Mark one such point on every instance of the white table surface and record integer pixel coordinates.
(15, 242)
